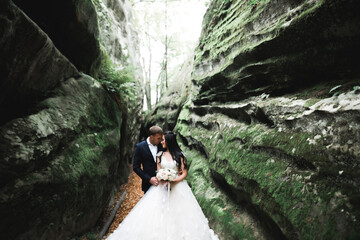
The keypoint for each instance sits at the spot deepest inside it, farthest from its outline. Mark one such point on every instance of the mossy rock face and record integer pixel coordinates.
(66, 141)
(286, 171)
(59, 165)
(251, 47)
(271, 125)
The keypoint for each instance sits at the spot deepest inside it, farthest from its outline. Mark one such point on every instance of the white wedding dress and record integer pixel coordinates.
(165, 215)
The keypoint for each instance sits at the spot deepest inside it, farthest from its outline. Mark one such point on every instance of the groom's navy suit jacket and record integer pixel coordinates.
(142, 155)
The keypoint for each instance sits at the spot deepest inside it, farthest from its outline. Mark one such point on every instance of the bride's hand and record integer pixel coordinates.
(176, 180)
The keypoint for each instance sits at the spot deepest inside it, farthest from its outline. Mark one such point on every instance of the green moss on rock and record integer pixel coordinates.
(278, 171)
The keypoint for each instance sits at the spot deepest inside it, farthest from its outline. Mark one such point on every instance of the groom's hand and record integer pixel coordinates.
(154, 181)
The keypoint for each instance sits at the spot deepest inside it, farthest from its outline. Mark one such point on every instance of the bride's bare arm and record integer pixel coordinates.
(183, 171)
(158, 164)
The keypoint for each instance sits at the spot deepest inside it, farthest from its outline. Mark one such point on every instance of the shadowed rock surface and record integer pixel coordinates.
(66, 139)
(72, 26)
(28, 73)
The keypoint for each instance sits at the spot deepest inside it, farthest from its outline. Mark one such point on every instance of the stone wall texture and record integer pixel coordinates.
(66, 141)
(271, 124)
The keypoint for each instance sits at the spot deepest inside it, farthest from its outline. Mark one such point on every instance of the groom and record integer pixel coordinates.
(145, 155)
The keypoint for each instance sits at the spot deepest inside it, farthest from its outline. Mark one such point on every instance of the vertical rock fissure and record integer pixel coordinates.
(243, 200)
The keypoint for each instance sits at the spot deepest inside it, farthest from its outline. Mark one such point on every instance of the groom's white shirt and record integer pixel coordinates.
(153, 149)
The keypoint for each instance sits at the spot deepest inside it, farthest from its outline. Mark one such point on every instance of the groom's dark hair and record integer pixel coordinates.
(155, 130)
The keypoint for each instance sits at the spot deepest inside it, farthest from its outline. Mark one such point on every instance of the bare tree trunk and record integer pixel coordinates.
(160, 82)
(166, 47)
(148, 83)
(147, 87)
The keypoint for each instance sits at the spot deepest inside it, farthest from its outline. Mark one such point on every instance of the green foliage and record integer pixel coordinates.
(86, 236)
(335, 91)
(254, 3)
(90, 236)
(311, 102)
(121, 81)
(342, 88)
(96, 1)
(356, 89)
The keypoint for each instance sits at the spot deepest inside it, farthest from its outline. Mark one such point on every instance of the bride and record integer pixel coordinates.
(168, 211)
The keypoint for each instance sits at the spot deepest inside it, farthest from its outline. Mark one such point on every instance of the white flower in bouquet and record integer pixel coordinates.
(172, 174)
(162, 175)
(166, 174)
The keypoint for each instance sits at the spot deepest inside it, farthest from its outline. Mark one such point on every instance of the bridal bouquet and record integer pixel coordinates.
(166, 174)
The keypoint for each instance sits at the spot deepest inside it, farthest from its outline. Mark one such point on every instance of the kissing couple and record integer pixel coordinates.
(160, 213)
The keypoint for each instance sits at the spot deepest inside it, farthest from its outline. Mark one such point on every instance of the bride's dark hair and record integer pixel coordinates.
(174, 149)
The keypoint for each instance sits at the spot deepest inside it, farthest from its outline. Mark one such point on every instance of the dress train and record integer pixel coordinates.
(167, 215)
